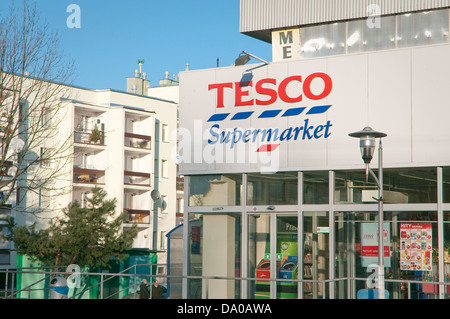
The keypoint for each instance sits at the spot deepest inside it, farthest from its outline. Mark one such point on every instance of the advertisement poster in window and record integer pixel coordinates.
(416, 246)
(369, 244)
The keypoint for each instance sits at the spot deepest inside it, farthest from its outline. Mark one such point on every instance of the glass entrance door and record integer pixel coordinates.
(287, 256)
(273, 254)
(315, 253)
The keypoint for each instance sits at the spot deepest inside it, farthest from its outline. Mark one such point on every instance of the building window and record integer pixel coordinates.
(400, 186)
(45, 157)
(163, 240)
(361, 38)
(46, 117)
(323, 40)
(5, 257)
(44, 198)
(164, 168)
(422, 28)
(315, 187)
(165, 133)
(164, 204)
(215, 190)
(396, 31)
(408, 256)
(446, 184)
(272, 189)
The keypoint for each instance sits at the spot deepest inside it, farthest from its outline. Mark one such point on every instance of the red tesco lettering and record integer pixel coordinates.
(267, 88)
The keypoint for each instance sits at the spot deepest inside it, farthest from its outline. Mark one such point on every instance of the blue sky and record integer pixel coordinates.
(167, 34)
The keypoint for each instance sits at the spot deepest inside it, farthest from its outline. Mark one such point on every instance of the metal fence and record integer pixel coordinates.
(125, 284)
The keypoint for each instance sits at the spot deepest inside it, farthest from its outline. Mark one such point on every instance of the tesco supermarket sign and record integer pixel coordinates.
(269, 88)
(269, 91)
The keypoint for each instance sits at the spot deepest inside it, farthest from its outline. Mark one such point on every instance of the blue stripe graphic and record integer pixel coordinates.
(218, 117)
(319, 109)
(269, 113)
(241, 115)
(294, 111)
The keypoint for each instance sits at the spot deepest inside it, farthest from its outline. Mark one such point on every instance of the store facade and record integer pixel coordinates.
(275, 188)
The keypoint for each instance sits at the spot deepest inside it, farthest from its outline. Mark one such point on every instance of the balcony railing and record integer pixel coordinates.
(138, 141)
(5, 168)
(137, 178)
(89, 137)
(138, 216)
(88, 176)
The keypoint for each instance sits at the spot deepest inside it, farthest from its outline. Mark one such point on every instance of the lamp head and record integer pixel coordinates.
(367, 142)
(242, 59)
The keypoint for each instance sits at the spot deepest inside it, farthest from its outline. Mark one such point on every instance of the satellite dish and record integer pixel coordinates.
(17, 145)
(12, 171)
(155, 194)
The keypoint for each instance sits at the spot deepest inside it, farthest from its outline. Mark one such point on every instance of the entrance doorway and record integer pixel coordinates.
(274, 247)
(315, 253)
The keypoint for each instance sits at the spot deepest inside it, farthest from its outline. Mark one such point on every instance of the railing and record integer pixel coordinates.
(89, 137)
(129, 287)
(138, 141)
(137, 178)
(90, 176)
(138, 216)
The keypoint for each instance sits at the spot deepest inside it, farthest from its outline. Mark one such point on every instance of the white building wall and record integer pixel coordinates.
(113, 109)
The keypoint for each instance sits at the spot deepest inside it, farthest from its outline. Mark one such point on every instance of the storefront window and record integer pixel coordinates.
(412, 185)
(215, 190)
(214, 250)
(447, 252)
(351, 187)
(400, 186)
(272, 189)
(315, 188)
(446, 184)
(411, 245)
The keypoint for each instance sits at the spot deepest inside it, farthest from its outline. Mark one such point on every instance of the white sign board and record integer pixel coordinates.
(297, 115)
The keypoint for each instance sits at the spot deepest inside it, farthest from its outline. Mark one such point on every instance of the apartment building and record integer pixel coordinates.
(119, 141)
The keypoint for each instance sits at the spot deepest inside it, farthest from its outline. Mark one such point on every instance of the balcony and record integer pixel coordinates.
(5, 169)
(5, 212)
(88, 176)
(137, 178)
(137, 216)
(92, 137)
(138, 141)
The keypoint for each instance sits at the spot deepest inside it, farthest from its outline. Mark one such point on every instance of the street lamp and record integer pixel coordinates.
(244, 57)
(367, 145)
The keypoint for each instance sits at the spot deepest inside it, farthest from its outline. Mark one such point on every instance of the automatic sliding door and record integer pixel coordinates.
(259, 256)
(315, 253)
(287, 257)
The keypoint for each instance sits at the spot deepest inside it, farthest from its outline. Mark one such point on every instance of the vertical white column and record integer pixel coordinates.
(219, 256)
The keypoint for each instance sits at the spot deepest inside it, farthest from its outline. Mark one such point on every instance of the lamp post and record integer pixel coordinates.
(156, 195)
(367, 145)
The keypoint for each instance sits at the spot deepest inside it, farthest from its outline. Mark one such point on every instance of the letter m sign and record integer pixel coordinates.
(286, 45)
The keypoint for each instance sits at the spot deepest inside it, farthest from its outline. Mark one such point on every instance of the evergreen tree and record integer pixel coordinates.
(89, 236)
